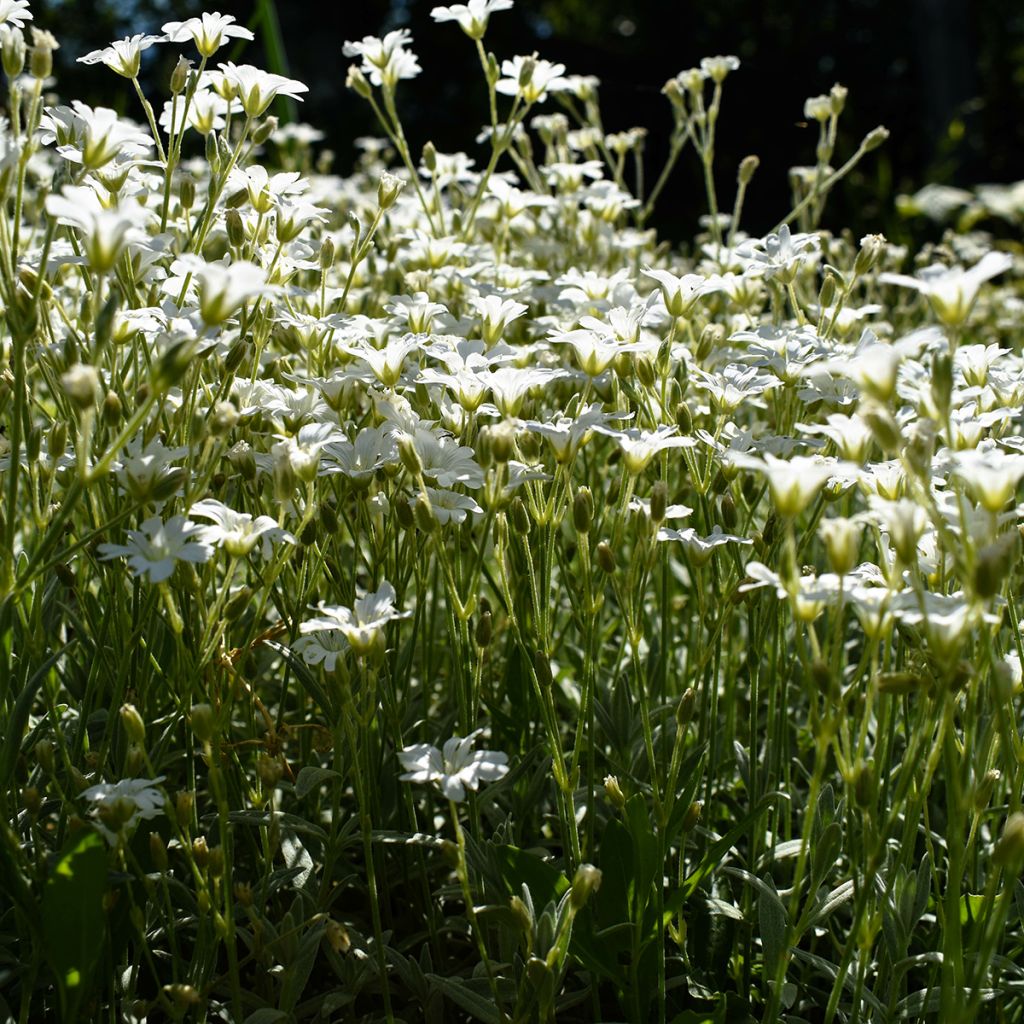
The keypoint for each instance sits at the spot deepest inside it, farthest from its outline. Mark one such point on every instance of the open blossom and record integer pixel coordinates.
(794, 482)
(472, 16)
(952, 290)
(256, 89)
(14, 14)
(529, 77)
(237, 532)
(385, 60)
(154, 549)
(104, 231)
(123, 56)
(454, 768)
(117, 807)
(91, 136)
(209, 31)
(361, 625)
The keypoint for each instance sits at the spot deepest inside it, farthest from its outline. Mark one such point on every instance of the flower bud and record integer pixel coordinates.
(265, 130)
(482, 633)
(519, 518)
(158, 852)
(605, 557)
(1008, 851)
(692, 816)
(874, 138)
(587, 880)
(203, 722)
(685, 708)
(327, 253)
(424, 514)
(659, 502)
(235, 228)
(613, 791)
(388, 190)
(81, 384)
(133, 724)
(179, 76)
(748, 165)
(356, 81)
(430, 157)
(985, 788)
(870, 252)
(583, 510)
(12, 50)
(864, 784)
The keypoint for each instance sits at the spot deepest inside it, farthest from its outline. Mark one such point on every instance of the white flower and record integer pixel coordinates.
(794, 482)
(92, 137)
(640, 446)
(14, 13)
(205, 113)
(120, 806)
(155, 548)
(450, 506)
(455, 767)
(123, 56)
(700, 549)
(208, 32)
(237, 532)
(679, 293)
(386, 61)
(782, 255)
(991, 475)
(496, 313)
(472, 17)
(952, 290)
(529, 77)
(104, 231)
(223, 288)
(362, 624)
(256, 89)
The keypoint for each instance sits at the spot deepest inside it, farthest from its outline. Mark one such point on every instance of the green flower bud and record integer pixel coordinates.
(587, 880)
(748, 165)
(583, 510)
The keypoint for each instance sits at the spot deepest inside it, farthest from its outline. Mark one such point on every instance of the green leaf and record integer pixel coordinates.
(74, 928)
(480, 1007)
(266, 1015)
(717, 850)
(312, 777)
(773, 920)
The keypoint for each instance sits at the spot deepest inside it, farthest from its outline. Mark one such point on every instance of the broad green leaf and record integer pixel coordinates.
(74, 927)
(312, 777)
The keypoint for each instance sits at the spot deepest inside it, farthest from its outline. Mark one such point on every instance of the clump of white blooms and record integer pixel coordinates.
(347, 464)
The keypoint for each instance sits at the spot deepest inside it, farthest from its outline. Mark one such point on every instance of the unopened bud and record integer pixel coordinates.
(203, 722)
(133, 724)
(874, 138)
(179, 76)
(748, 165)
(587, 880)
(583, 510)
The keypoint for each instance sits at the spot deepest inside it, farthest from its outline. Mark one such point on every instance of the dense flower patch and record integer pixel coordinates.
(424, 595)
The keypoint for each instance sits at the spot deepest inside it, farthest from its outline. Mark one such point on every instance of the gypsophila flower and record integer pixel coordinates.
(124, 56)
(472, 16)
(209, 31)
(14, 14)
(118, 807)
(238, 532)
(455, 768)
(154, 549)
(361, 625)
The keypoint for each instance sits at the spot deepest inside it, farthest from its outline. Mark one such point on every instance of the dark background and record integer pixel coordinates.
(945, 76)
